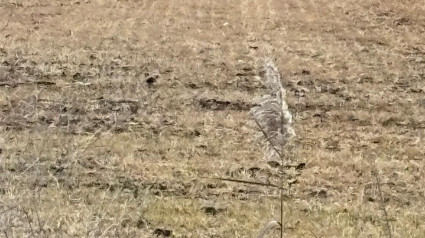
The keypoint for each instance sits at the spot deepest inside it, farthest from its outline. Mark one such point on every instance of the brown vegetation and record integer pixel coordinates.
(115, 116)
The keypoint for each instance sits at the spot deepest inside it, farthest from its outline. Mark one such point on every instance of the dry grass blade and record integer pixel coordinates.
(268, 226)
(29, 221)
(381, 198)
(8, 20)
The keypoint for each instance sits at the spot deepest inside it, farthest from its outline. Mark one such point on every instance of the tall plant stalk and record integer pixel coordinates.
(274, 119)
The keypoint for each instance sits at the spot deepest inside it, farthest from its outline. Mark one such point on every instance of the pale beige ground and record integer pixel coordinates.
(92, 144)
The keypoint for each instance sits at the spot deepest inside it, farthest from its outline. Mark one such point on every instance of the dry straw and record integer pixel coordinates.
(274, 119)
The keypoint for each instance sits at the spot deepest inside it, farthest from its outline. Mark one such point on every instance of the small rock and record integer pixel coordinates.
(162, 232)
(151, 78)
(300, 166)
(273, 164)
(212, 209)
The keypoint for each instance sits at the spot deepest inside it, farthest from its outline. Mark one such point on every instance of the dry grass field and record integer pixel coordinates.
(117, 115)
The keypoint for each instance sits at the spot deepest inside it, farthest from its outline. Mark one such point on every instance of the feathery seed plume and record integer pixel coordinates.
(271, 112)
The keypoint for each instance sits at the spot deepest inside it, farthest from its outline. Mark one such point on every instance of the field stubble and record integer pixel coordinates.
(116, 115)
